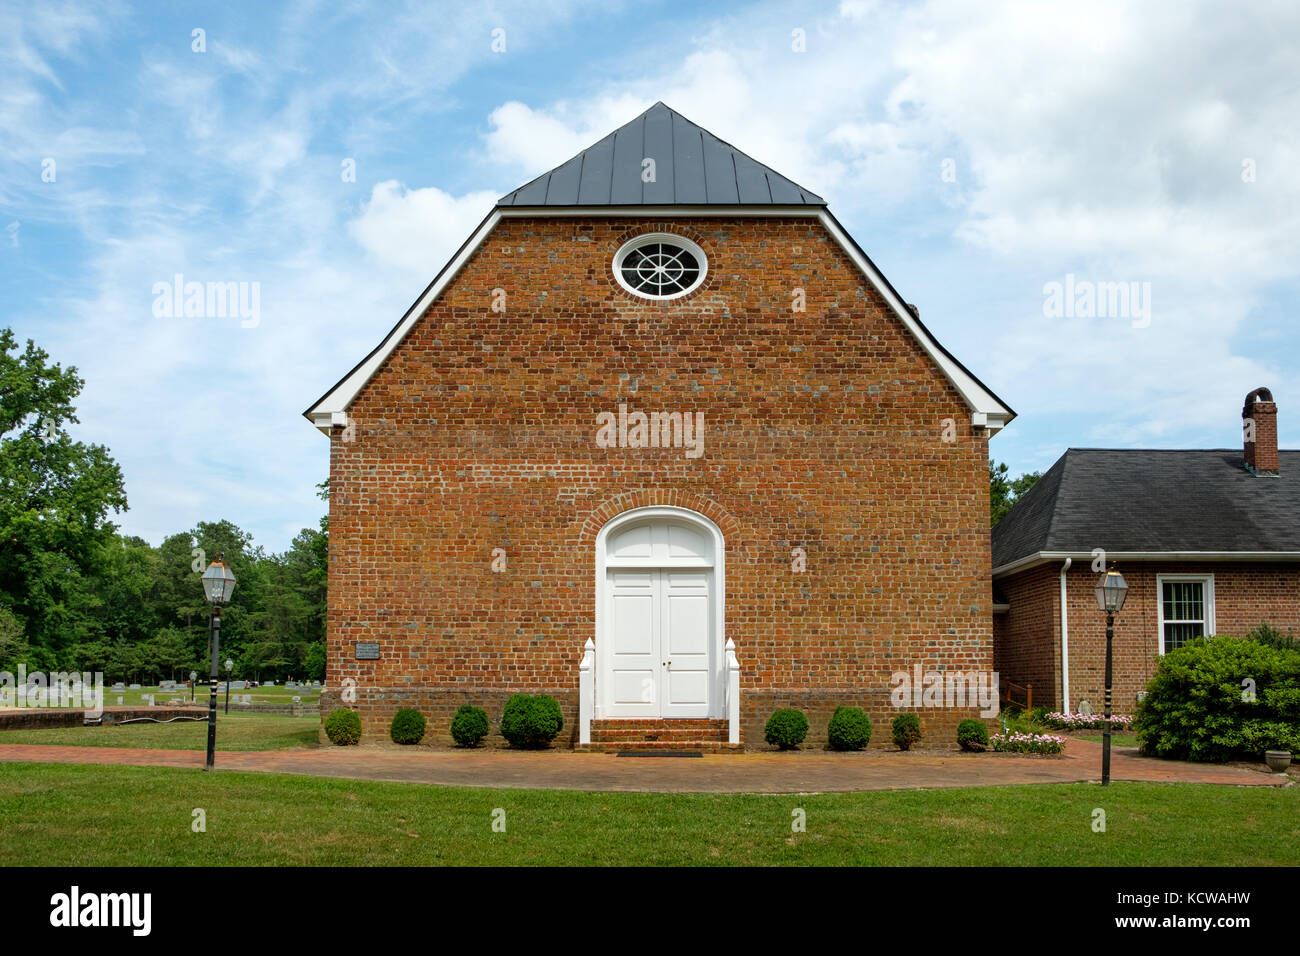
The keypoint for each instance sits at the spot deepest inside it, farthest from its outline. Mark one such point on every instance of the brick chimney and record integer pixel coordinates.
(1259, 433)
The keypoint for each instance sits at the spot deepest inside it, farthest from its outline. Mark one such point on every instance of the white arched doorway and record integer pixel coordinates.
(659, 616)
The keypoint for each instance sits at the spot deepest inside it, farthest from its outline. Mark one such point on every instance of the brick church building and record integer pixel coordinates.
(661, 441)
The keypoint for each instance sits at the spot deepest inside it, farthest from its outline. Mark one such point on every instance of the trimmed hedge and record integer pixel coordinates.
(1219, 698)
(407, 727)
(343, 727)
(972, 735)
(531, 720)
(849, 729)
(907, 730)
(786, 728)
(469, 726)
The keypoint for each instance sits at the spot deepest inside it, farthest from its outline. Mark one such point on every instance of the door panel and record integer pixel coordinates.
(685, 598)
(632, 687)
(660, 638)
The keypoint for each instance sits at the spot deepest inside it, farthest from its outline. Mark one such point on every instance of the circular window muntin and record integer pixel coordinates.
(665, 265)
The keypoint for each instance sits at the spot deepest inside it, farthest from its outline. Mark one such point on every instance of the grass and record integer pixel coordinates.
(234, 732)
(63, 815)
(1116, 740)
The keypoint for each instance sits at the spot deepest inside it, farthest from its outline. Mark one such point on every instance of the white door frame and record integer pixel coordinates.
(717, 657)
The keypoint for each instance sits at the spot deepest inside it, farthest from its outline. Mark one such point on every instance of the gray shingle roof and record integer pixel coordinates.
(692, 168)
(1138, 500)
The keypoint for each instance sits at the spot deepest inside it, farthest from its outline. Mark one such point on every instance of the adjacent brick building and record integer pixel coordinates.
(807, 489)
(1208, 541)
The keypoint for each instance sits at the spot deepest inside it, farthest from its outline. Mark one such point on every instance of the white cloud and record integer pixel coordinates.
(417, 230)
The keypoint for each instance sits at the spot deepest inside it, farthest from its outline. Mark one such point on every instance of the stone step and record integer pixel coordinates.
(645, 735)
(659, 746)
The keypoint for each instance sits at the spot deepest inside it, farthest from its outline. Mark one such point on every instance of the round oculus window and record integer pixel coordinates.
(660, 266)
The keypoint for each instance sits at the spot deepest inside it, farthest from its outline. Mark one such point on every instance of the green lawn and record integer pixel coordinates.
(1116, 740)
(55, 814)
(234, 732)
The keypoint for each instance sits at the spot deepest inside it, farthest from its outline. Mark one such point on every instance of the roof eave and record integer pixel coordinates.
(1039, 558)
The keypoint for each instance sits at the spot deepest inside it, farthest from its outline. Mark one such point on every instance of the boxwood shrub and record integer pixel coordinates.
(407, 726)
(343, 727)
(531, 720)
(907, 730)
(849, 729)
(786, 728)
(972, 735)
(1219, 698)
(469, 726)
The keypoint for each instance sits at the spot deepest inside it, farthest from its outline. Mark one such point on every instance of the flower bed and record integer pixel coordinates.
(1060, 721)
(1027, 743)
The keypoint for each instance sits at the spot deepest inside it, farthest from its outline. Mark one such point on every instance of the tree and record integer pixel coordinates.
(55, 497)
(1004, 492)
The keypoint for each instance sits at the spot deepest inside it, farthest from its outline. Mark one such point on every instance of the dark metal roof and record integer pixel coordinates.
(1140, 500)
(692, 168)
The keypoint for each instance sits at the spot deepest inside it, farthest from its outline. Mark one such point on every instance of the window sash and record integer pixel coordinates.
(1184, 617)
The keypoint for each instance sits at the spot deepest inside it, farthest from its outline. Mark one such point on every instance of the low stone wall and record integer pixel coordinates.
(40, 718)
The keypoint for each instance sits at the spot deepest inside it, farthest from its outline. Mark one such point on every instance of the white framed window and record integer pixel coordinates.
(1186, 608)
(660, 266)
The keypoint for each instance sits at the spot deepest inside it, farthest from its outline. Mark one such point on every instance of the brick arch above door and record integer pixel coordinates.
(656, 497)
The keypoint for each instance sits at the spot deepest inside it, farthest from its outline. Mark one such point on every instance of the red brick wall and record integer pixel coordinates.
(1028, 644)
(822, 431)
(1026, 639)
(1244, 595)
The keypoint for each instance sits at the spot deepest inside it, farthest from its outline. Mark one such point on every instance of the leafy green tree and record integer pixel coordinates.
(1004, 491)
(55, 498)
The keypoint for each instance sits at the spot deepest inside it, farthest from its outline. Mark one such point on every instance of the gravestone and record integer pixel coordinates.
(270, 683)
(315, 684)
(1085, 708)
(135, 686)
(118, 688)
(290, 685)
(119, 701)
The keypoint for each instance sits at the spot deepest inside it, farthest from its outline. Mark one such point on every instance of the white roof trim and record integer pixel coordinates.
(986, 410)
(1049, 557)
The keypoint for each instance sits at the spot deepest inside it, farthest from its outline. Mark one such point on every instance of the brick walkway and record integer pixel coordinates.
(747, 773)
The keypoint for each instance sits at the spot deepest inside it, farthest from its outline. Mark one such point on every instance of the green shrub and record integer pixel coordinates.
(907, 730)
(343, 727)
(1217, 698)
(1267, 634)
(469, 726)
(407, 727)
(849, 729)
(972, 735)
(531, 720)
(786, 728)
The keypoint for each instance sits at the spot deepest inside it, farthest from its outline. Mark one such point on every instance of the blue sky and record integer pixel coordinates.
(978, 152)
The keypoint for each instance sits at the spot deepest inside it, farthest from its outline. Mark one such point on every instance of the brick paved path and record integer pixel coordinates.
(747, 773)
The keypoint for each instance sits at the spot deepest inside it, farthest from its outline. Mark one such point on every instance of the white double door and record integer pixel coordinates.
(660, 641)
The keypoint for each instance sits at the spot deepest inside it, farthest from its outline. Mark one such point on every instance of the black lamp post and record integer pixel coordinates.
(218, 586)
(1111, 590)
(229, 664)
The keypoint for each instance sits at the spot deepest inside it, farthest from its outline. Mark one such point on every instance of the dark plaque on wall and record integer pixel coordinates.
(367, 652)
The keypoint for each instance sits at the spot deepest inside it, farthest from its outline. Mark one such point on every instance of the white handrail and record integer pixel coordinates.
(586, 691)
(733, 694)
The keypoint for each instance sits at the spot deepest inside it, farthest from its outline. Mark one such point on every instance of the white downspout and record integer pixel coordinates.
(1065, 642)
